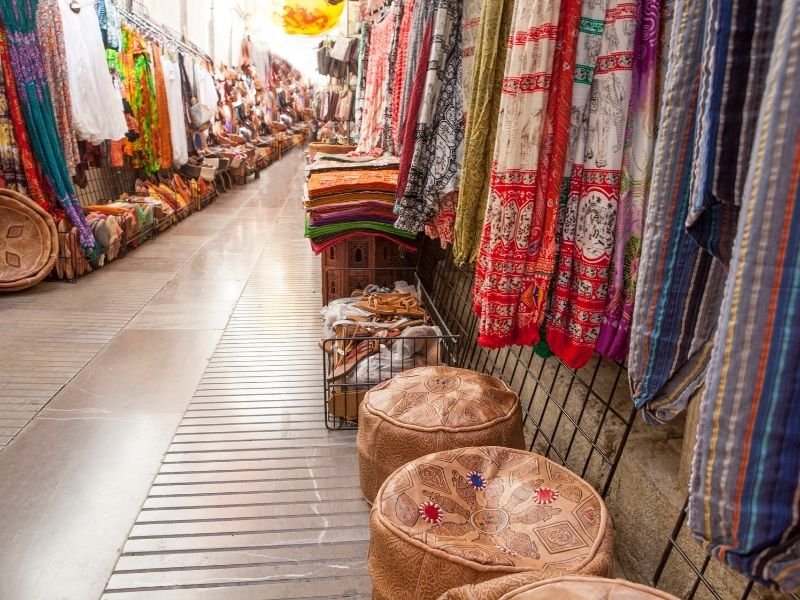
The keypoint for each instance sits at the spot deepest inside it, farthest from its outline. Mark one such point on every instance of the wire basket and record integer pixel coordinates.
(379, 358)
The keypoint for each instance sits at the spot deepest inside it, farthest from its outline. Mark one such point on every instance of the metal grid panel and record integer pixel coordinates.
(580, 418)
(685, 566)
(105, 184)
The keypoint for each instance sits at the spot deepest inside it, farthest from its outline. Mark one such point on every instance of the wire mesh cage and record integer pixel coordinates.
(370, 353)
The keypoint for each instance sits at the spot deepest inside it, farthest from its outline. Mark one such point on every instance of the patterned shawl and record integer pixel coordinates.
(436, 160)
(580, 296)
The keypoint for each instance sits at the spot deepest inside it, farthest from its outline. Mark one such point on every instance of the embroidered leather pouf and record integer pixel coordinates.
(471, 515)
(428, 410)
(524, 587)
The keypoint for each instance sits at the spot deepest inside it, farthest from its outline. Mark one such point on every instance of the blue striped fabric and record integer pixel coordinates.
(738, 45)
(745, 490)
(679, 287)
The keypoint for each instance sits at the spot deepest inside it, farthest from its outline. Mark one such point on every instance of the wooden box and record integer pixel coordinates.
(358, 262)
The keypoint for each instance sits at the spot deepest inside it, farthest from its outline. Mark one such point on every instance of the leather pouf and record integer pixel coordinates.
(428, 410)
(471, 515)
(28, 242)
(524, 587)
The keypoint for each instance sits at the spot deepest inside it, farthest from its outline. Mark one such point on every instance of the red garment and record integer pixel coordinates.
(38, 189)
(398, 81)
(552, 160)
(409, 129)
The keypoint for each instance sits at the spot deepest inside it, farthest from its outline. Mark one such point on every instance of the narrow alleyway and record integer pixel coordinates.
(187, 457)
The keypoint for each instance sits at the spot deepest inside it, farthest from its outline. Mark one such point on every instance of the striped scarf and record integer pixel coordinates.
(745, 488)
(680, 283)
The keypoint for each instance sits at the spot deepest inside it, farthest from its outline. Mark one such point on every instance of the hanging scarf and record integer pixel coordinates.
(163, 140)
(11, 164)
(483, 109)
(138, 79)
(588, 48)
(745, 486)
(502, 271)
(419, 20)
(409, 128)
(27, 63)
(436, 161)
(572, 337)
(637, 163)
(442, 226)
(681, 284)
(402, 14)
(51, 37)
(738, 45)
(380, 42)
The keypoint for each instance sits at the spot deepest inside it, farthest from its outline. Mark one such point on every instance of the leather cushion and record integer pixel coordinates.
(441, 399)
(515, 587)
(497, 507)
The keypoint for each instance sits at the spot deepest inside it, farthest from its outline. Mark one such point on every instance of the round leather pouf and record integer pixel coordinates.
(475, 514)
(428, 410)
(524, 587)
(28, 242)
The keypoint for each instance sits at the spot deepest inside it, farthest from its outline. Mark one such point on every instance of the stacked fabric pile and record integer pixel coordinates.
(347, 197)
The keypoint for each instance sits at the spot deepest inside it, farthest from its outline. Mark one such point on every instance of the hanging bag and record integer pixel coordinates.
(201, 115)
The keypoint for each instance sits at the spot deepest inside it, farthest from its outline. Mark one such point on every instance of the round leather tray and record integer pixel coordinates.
(28, 242)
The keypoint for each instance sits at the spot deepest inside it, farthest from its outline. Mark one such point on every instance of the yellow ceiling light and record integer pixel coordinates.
(306, 17)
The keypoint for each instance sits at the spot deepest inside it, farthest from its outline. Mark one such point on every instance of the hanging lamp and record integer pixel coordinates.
(306, 17)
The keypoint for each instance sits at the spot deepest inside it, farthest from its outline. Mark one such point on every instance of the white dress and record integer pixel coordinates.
(96, 104)
(177, 119)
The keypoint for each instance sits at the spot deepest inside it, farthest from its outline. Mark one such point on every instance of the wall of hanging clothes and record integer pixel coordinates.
(621, 174)
(102, 105)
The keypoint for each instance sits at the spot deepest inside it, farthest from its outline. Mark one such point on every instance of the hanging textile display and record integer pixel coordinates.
(27, 63)
(680, 283)
(363, 58)
(572, 335)
(502, 273)
(399, 64)
(409, 128)
(50, 30)
(637, 164)
(380, 42)
(96, 103)
(483, 107)
(435, 163)
(177, 119)
(745, 483)
(12, 172)
(138, 80)
(387, 129)
(442, 225)
(164, 134)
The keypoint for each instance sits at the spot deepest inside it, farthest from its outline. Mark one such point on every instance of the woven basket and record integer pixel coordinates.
(28, 242)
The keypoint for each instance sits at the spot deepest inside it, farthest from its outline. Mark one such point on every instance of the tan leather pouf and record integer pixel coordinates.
(431, 409)
(471, 515)
(523, 587)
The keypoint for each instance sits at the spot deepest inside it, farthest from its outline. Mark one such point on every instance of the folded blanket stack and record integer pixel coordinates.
(352, 196)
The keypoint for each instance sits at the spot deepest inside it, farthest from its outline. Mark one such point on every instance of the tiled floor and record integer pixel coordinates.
(254, 499)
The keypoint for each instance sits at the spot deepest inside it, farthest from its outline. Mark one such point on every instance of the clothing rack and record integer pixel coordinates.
(149, 26)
